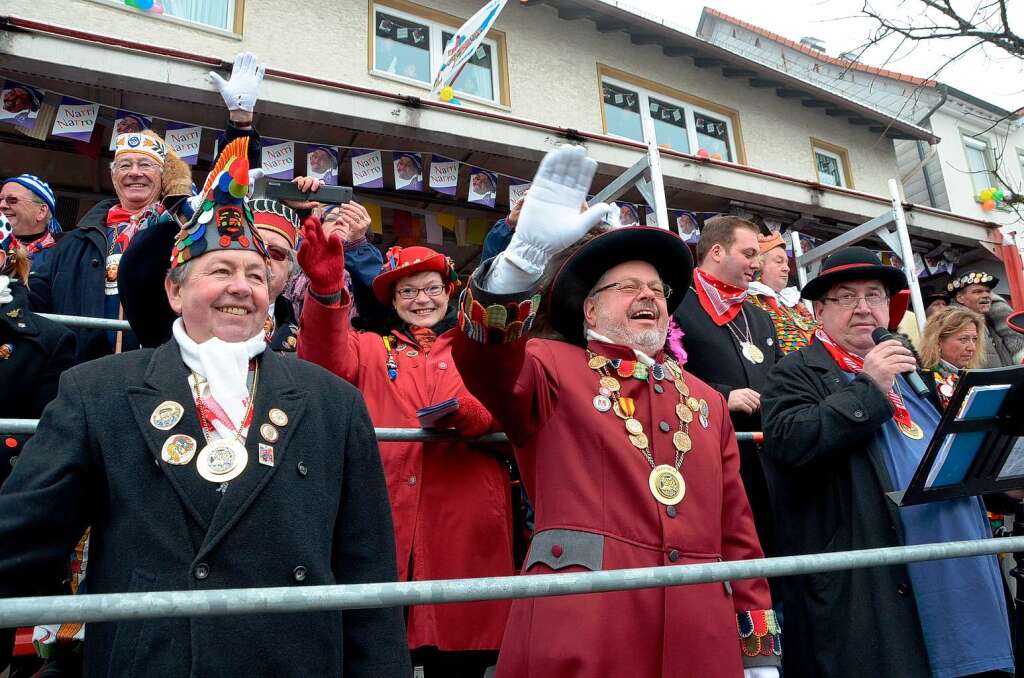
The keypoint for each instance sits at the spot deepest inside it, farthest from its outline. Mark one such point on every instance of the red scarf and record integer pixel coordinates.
(39, 244)
(720, 300)
(117, 217)
(424, 336)
(853, 364)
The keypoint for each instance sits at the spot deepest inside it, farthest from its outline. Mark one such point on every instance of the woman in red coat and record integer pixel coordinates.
(630, 460)
(451, 501)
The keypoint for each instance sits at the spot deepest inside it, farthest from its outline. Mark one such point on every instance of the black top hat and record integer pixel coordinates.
(662, 249)
(854, 263)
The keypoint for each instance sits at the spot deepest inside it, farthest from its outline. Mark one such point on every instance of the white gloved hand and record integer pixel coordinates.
(761, 672)
(242, 90)
(255, 174)
(551, 219)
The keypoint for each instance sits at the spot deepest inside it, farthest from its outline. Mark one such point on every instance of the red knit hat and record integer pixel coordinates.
(400, 262)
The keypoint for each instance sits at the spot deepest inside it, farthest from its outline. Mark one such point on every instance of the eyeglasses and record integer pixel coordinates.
(13, 200)
(872, 299)
(142, 165)
(632, 287)
(413, 292)
(963, 341)
(277, 253)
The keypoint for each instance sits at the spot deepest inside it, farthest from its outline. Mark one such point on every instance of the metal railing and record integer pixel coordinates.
(387, 435)
(124, 606)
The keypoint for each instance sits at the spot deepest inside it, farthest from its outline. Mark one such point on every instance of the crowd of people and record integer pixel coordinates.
(226, 440)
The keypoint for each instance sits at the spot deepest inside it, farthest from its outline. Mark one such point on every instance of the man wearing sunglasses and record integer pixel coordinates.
(30, 206)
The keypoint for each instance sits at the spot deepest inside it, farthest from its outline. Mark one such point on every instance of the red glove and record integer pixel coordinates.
(322, 258)
(471, 420)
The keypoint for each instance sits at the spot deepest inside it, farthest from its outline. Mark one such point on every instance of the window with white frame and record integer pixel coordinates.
(408, 47)
(830, 168)
(214, 13)
(979, 164)
(677, 124)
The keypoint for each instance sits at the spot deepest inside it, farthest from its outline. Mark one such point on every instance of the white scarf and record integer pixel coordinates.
(224, 365)
(789, 296)
(640, 355)
(5, 290)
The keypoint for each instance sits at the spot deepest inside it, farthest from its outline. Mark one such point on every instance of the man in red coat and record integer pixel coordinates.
(451, 501)
(630, 460)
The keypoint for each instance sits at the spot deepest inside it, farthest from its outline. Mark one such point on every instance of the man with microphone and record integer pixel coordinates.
(844, 425)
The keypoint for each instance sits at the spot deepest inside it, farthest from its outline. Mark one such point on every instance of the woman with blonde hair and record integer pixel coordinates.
(950, 345)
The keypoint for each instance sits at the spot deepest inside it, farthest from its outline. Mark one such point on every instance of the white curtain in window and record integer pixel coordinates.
(210, 12)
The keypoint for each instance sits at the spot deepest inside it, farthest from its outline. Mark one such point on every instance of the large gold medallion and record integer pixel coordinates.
(752, 353)
(222, 460)
(667, 485)
(911, 430)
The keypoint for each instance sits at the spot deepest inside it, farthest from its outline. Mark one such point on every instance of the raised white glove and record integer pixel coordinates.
(551, 219)
(243, 89)
(761, 672)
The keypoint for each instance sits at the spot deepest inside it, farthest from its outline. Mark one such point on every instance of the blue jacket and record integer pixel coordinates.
(497, 239)
(71, 278)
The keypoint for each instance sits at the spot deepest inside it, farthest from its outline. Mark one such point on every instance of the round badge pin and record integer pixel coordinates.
(278, 417)
(178, 450)
(602, 403)
(269, 433)
(166, 415)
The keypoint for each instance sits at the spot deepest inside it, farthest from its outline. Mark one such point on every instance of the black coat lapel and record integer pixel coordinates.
(275, 389)
(167, 379)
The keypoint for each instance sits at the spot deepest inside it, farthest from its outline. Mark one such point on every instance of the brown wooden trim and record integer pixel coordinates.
(731, 113)
(843, 154)
(239, 16)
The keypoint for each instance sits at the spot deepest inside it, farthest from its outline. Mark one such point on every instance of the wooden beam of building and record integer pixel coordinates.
(677, 51)
(707, 62)
(737, 73)
(836, 112)
(815, 103)
(572, 13)
(611, 26)
(786, 93)
(644, 38)
(761, 83)
(857, 120)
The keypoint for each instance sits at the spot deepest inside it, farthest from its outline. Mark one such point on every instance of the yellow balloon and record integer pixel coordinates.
(447, 93)
(986, 195)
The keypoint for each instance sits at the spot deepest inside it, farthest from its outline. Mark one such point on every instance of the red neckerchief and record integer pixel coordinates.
(853, 364)
(39, 244)
(719, 299)
(124, 223)
(424, 336)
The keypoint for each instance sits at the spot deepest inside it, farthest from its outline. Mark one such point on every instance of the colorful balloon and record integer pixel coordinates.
(988, 205)
(986, 195)
(716, 156)
(158, 7)
(447, 93)
(998, 196)
(703, 153)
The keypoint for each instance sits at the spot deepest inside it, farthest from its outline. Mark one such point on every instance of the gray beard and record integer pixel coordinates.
(648, 341)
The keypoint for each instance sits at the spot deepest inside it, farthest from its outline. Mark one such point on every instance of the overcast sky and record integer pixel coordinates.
(988, 74)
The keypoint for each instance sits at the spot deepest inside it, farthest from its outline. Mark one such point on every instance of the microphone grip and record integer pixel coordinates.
(913, 378)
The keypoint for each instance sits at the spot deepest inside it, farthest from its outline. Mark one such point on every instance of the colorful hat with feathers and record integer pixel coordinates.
(223, 219)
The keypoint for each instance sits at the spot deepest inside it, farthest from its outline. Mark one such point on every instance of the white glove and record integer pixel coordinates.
(243, 89)
(549, 222)
(761, 672)
(255, 174)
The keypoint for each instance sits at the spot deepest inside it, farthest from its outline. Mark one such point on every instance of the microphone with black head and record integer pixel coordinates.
(881, 334)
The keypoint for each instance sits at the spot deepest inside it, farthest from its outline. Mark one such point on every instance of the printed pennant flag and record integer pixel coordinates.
(444, 174)
(322, 164)
(483, 186)
(367, 169)
(408, 171)
(184, 140)
(516, 190)
(126, 122)
(75, 119)
(279, 158)
(20, 104)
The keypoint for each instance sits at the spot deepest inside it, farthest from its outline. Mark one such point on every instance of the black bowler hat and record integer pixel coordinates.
(662, 249)
(854, 263)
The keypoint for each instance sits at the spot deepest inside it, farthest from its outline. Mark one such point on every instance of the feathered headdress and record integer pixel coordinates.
(222, 219)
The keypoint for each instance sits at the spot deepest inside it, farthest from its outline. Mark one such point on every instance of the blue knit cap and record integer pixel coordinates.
(44, 192)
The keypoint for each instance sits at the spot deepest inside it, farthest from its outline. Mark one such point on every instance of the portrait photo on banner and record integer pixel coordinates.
(483, 186)
(322, 163)
(126, 122)
(19, 104)
(408, 171)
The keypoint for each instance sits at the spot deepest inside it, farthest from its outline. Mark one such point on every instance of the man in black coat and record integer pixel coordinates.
(843, 428)
(731, 344)
(211, 463)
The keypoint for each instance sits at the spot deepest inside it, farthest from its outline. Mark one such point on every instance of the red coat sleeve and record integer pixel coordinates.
(760, 633)
(514, 378)
(326, 337)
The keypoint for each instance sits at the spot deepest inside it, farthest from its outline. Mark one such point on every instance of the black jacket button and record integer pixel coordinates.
(858, 414)
(299, 573)
(903, 590)
(671, 511)
(665, 428)
(658, 388)
(202, 571)
(673, 555)
(302, 468)
(95, 263)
